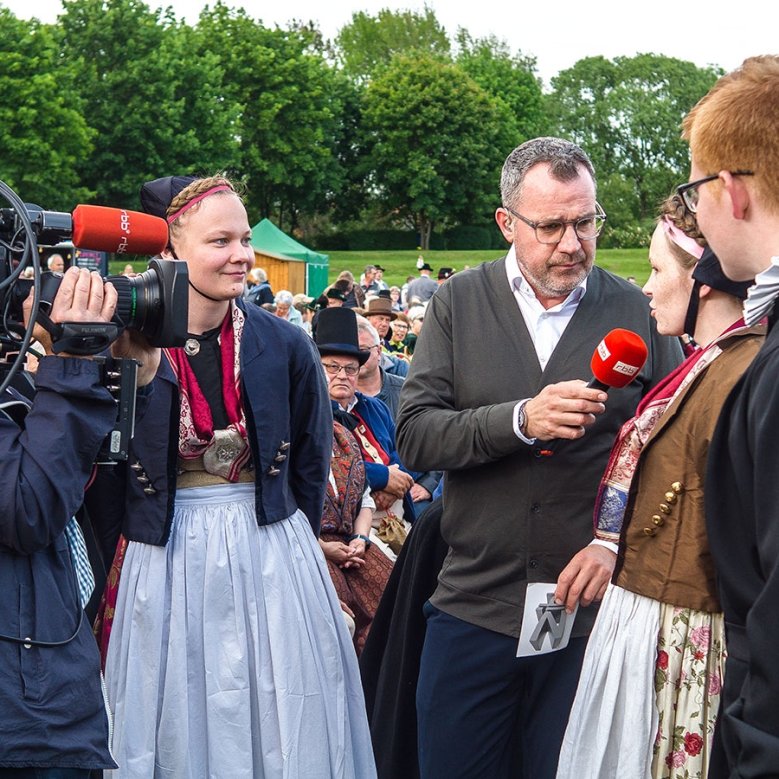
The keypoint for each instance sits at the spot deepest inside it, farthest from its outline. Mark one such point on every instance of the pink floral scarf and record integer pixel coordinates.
(614, 487)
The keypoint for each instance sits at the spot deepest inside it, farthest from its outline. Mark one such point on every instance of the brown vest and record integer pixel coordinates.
(663, 551)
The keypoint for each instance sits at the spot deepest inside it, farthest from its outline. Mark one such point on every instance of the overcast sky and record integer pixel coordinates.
(556, 33)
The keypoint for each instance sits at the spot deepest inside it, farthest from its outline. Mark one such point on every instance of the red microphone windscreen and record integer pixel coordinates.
(618, 358)
(118, 230)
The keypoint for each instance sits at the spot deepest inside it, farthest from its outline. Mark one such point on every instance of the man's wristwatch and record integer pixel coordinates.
(522, 418)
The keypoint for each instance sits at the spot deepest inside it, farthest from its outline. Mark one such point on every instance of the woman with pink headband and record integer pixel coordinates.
(648, 693)
(227, 652)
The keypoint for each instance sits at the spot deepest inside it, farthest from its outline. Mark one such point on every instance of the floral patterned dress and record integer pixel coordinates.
(688, 680)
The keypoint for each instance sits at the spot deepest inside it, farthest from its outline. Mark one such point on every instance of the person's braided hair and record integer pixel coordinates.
(673, 207)
(195, 189)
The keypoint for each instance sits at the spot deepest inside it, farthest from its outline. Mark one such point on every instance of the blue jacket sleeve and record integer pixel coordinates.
(45, 466)
(379, 419)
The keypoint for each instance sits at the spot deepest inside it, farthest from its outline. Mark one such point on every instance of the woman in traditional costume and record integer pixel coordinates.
(648, 694)
(228, 653)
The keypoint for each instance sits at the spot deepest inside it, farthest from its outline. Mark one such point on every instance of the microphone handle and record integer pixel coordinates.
(551, 446)
(594, 383)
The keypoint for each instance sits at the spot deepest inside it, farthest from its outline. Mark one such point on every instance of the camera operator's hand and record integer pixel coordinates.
(82, 297)
(134, 345)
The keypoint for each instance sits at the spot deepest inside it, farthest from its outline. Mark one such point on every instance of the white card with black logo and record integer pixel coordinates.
(546, 627)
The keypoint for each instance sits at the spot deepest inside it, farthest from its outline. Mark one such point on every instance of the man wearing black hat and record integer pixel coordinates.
(381, 285)
(335, 297)
(369, 420)
(422, 289)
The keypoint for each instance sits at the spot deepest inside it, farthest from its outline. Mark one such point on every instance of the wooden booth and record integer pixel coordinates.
(289, 264)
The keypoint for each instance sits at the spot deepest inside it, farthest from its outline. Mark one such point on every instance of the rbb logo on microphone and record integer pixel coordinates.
(118, 230)
(617, 359)
(124, 224)
(628, 370)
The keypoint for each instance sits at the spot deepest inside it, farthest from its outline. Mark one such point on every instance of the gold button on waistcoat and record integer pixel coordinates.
(677, 487)
(671, 497)
(665, 508)
(649, 531)
(658, 520)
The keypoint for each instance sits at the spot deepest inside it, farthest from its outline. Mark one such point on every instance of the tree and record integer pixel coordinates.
(43, 134)
(436, 142)
(510, 79)
(368, 42)
(156, 109)
(627, 114)
(289, 106)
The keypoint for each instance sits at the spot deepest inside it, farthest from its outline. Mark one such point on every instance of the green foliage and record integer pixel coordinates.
(509, 79)
(459, 237)
(627, 114)
(435, 140)
(385, 128)
(369, 42)
(43, 133)
(155, 108)
(289, 104)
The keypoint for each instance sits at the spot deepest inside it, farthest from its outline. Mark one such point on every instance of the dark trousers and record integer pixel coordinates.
(482, 711)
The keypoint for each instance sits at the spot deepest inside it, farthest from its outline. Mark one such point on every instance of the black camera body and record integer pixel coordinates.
(154, 303)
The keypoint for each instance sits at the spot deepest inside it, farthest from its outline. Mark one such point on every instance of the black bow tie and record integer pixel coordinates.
(349, 421)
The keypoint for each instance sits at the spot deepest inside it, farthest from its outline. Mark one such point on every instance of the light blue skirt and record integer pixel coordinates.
(229, 655)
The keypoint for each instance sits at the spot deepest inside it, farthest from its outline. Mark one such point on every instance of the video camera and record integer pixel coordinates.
(154, 303)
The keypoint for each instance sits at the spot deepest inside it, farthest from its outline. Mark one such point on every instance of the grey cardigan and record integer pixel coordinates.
(512, 516)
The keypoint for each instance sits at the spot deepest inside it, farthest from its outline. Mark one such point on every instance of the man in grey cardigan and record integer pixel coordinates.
(499, 371)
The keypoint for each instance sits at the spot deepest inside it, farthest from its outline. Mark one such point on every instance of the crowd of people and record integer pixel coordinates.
(337, 514)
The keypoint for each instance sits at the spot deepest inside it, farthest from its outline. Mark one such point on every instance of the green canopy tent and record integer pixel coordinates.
(289, 264)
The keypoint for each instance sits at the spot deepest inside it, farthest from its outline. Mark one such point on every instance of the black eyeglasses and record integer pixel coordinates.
(689, 192)
(333, 368)
(551, 231)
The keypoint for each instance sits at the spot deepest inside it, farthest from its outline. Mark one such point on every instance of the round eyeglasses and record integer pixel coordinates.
(549, 231)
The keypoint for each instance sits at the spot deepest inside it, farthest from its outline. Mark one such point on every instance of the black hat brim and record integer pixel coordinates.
(343, 350)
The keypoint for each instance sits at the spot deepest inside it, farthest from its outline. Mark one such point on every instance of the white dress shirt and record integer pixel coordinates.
(545, 325)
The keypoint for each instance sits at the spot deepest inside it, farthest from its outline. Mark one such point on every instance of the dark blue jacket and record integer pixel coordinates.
(290, 432)
(52, 712)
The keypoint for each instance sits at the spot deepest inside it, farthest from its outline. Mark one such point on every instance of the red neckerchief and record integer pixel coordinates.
(196, 431)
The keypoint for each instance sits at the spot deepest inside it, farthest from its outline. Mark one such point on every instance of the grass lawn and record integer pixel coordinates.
(400, 264)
